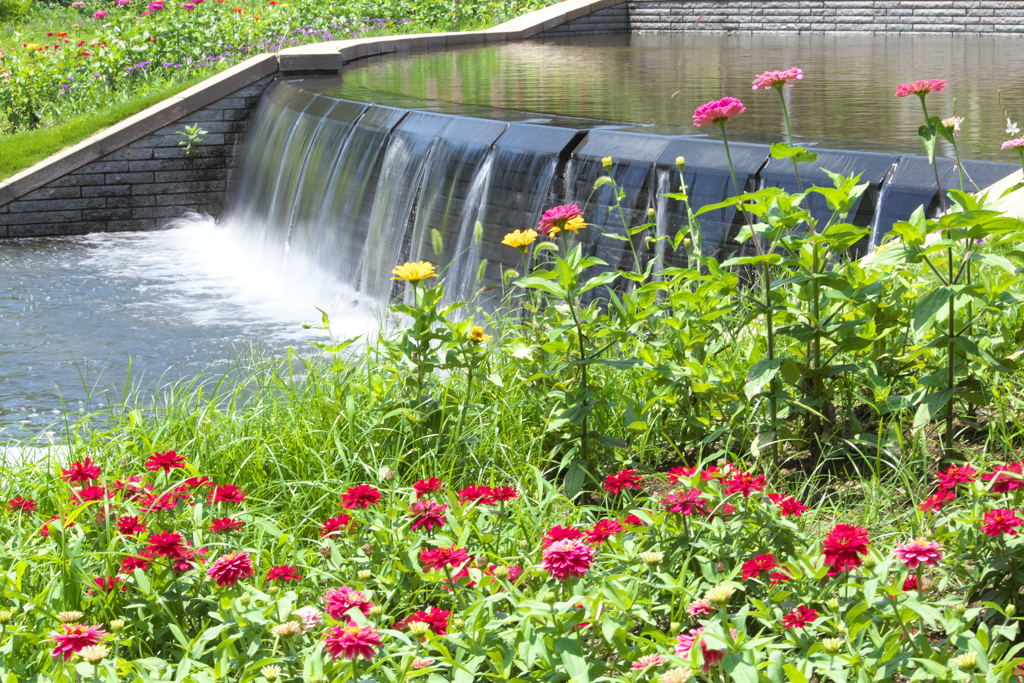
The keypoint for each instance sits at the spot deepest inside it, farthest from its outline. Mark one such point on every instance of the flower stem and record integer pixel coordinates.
(789, 134)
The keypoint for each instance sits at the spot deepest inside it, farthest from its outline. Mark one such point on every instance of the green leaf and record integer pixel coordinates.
(925, 311)
(739, 670)
(781, 150)
(930, 406)
(572, 659)
(575, 477)
(794, 674)
(762, 373)
(927, 135)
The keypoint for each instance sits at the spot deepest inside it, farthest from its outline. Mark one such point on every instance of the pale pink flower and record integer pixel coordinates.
(699, 607)
(918, 552)
(648, 661)
(569, 557)
(921, 88)
(686, 641)
(421, 663)
(341, 600)
(1011, 144)
(777, 79)
(310, 616)
(717, 111)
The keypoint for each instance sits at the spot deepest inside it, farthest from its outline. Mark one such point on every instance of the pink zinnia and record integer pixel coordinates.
(777, 79)
(229, 493)
(955, 475)
(131, 563)
(439, 558)
(934, 503)
(647, 661)
(21, 505)
(799, 617)
(921, 88)
(743, 482)
(231, 568)
(603, 530)
(310, 617)
(699, 607)
(427, 513)
(569, 557)
(334, 525)
(100, 14)
(685, 502)
(622, 481)
(918, 552)
(1005, 478)
(130, 525)
(84, 470)
(755, 566)
(1001, 521)
(352, 641)
(557, 217)
(340, 600)
(107, 583)
(435, 619)
(284, 572)
(225, 525)
(717, 111)
(74, 637)
(426, 486)
(686, 641)
(165, 461)
(559, 533)
(787, 505)
(677, 473)
(1013, 144)
(361, 496)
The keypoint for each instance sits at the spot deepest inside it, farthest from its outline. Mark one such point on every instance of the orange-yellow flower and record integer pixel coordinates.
(520, 239)
(477, 334)
(574, 224)
(414, 272)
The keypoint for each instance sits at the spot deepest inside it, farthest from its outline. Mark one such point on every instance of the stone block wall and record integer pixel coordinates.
(141, 185)
(861, 16)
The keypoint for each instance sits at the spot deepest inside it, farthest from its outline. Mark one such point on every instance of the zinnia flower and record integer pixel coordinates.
(165, 461)
(166, 544)
(1001, 521)
(557, 218)
(427, 513)
(920, 88)
(520, 239)
(677, 473)
(334, 525)
(685, 502)
(73, 637)
(952, 124)
(352, 641)
(310, 617)
(435, 619)
(787, 505)
(1005, 478)
(560, 533)
(777, 79)
(229, 493)
(717, 111)
(755, 566)
(686, 641)
(361, 496)
(476, 334)
(100, 14)
(566, 558)
(131, 563)
(439, 558)
(699, 607)
(414, 273)
(743, 482)
(284, 572)
(231, 568)
(21, 505)
(843, 547)
(84, 470)
(1013, 144)
(425, 486)
(919, 551)
(107, 583)
(225, 524)
(956, 474)
(799, 617)
(647, 661)
(603, 530)
(340, 600)
(934, 502)
(622, 481)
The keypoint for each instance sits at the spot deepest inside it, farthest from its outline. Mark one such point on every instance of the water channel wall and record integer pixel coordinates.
(135, 175)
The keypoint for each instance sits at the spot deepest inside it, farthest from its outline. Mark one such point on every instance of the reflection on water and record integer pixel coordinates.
(177, 303)
(845, 100)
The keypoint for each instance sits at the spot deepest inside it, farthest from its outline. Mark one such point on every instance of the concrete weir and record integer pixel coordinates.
(135, 176)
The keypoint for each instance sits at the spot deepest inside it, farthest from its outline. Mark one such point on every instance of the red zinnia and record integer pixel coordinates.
(21, 505)
(74, 637)
(559, 533)
(130, 525)
(131, 563)
(427, 513)
(228, 493)
(225, 525)
(90, 493)
(334, 525)
(439, 558)
(361, 496)
(165, 461)
(1005, 478)
(167, 544)
(84, 470)
(603, 530)
(284, 572)
(198, 481)
(778, 577)
(426, 486)
(745, 483)
(352, 642)
(1001, 521)
(107, 583)
(231, 568)
(799, 617)
(787, 505)
(677, 473)
(633, 520)
(685, 502)
(475, 494)
(340, 600)
(501, 494)
(954, 475)
(571, 557)
(934, 503)
(754, 567)
(435, 619)
(843, 547)
(622, 481)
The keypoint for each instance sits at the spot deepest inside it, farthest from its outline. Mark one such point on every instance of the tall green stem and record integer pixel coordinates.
(935, 166)
(789, 135)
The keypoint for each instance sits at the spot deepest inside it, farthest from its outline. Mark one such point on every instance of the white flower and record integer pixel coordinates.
(1011, 127)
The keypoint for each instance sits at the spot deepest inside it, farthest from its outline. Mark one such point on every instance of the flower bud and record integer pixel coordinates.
(325, 550)
(674, 627)
(69, 617)
(307, 325)
(959, 610)
(652, 557)
(832, 604)
(418, 629)
(244, 600)
(271, 673)
(607, 163)
(870, 562)
(501, 572)
(524, 544)
(1010, 610)
(287, 629)
(364, 574)
(680, 163)
(458, 623)
(376, 611)
(386, 474)
(719, 567)
(832, 645)
(368, 549)
(482, 561)
(651, 214)
(967, 661)
(420, 663)
(94, 654)
(6, 615)
(117, 625)
(550, 598)
(273, 590)
(719, 595)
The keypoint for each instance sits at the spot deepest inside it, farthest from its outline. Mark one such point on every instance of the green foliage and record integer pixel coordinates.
(12, 9)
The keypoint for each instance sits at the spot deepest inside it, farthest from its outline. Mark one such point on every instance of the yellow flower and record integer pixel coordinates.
(575, 223)
(520, 239)
(477, 335)
(33, 46)
(414, 272)
(607, 163)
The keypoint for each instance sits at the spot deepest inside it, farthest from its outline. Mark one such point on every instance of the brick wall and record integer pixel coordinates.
(878, 16)
(142, 184)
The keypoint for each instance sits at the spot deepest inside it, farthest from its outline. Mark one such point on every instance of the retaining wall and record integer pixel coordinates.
(135, 176)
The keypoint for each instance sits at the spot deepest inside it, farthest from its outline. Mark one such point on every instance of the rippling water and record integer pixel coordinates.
(180, 303)
(845, 100)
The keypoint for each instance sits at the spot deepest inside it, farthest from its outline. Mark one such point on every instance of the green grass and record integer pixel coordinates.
(22, 150)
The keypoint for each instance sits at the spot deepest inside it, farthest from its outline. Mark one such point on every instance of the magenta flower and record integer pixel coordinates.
(230, 568)
(777, 79)
(557, 218)
(100, 14)
(427, 513)
(570, 557)
(647, 661)
(340, 600)
(799, 617)
(717, 111)
(918, 552)
(686, 641)
(920, 88)
(1013, 144)
(352, 641)
(74, 637)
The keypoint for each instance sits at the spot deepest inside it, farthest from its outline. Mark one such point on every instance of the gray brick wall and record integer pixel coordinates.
(141, 185)
(863, 16)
